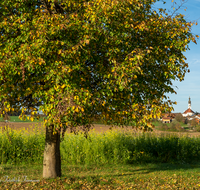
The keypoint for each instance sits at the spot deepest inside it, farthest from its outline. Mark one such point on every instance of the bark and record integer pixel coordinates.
(52, 160)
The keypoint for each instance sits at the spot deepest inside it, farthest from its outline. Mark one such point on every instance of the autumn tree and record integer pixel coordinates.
(194, 123)
(179, 117)
(80, 60)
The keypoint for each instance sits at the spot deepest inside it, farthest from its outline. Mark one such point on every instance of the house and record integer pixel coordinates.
(194, 117)
(188, 114)
(197, 116)
(168, 117)
(191, 115)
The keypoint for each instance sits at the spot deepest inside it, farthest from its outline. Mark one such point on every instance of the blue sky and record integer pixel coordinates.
(191, 84)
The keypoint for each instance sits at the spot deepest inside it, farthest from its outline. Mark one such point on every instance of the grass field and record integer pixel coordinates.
(111, 160)
(149, 176)
(16, 119)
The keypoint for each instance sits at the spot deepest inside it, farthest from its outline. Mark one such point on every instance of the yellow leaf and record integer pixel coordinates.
(133, 116)
(63, 86)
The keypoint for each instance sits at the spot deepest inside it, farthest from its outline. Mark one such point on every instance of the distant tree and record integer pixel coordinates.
(194, 123)
(178, 126)
(179, 117)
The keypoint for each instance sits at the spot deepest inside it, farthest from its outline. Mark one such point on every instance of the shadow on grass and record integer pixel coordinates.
(127, 170)
(106, 176)
(95, 173)
(148, 168)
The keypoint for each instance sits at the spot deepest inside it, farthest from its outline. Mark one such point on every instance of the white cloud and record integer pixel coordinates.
(195, 61)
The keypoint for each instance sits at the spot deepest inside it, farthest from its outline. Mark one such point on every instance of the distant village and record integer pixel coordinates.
(188, 115)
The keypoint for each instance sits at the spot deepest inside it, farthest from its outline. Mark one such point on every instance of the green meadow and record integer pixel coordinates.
(110, 160)
(16, 119)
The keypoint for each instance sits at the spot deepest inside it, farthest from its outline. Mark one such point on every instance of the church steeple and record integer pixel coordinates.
(189, 111)
(189, 103)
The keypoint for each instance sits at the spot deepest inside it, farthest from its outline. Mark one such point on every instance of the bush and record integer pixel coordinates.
(194, 123)
(162, 127)
(179, 117)
(197, 129)
(172, 126)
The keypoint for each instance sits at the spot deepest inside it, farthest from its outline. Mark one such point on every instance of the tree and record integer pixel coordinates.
(194, 123)
(179, 117)
(81, 60)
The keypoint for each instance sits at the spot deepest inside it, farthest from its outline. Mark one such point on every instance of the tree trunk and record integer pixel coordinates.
(52, 160)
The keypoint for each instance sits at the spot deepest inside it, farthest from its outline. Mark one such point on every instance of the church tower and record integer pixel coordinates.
(189, 103)
(189, 111)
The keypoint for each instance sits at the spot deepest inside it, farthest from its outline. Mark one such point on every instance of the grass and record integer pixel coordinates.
(148, 176)
(174, 126)
(111, 160)
(16, 119)
(21, 146)
(159, 123)
(112, 147)
(126, 147)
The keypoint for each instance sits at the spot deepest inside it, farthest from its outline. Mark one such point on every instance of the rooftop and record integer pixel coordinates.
(188, 111)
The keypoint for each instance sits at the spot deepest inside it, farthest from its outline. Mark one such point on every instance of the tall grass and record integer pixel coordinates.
(17, 147)
(119, 147)
(113, 147)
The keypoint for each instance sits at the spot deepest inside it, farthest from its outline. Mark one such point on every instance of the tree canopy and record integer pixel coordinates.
(80, 60)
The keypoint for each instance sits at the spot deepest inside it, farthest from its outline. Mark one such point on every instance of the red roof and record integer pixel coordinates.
(167, 117)
(188, 111)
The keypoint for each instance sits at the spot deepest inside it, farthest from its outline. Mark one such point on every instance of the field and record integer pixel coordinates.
(25, 125)
(109, 159)
(16, 119)
(148, 176)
